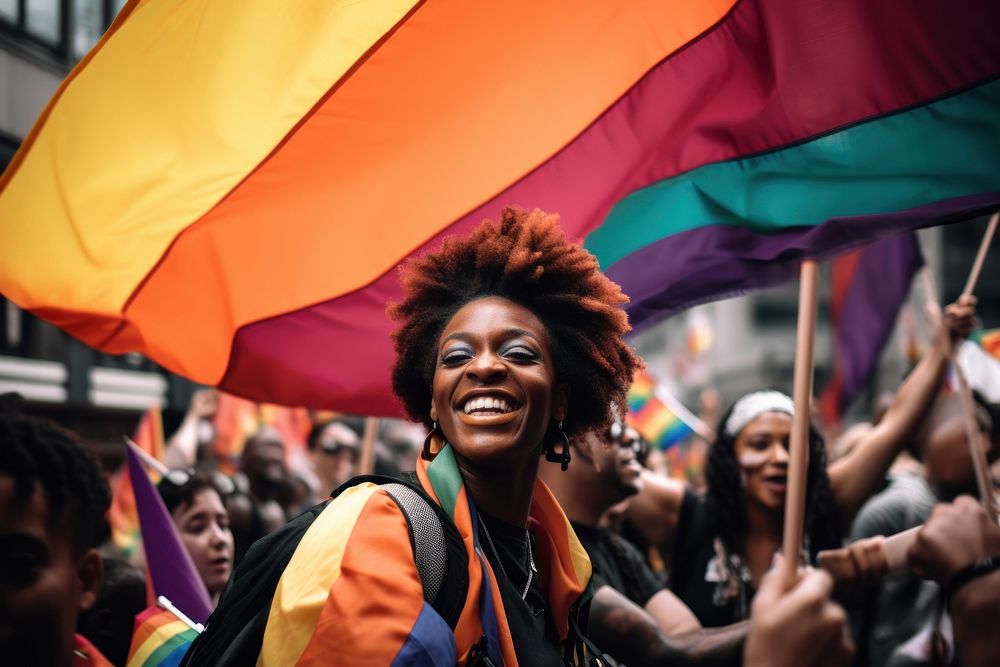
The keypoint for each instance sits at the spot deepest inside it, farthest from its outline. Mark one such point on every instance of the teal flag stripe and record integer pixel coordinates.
(946, 149)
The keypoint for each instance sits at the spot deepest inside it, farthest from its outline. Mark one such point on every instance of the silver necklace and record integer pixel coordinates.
(532, 570)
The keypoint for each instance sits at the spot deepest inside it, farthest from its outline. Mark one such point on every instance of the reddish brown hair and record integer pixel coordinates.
(524, 257)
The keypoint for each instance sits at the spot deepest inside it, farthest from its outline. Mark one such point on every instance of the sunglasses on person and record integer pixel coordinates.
(621, 436)
(335, 448)
(222, 482)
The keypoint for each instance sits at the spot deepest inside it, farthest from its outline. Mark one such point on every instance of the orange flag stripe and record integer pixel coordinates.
(441, 88)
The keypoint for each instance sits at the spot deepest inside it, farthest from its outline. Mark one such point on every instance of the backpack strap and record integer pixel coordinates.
(426, 537)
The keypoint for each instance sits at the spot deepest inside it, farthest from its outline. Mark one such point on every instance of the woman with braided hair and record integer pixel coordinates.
(723, 544)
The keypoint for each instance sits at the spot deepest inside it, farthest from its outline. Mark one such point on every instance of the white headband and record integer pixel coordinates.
(754, 405)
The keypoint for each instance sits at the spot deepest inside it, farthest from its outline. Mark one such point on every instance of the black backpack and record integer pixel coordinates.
(235, 630)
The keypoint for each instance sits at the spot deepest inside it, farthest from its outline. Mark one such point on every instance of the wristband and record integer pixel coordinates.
(970, 572)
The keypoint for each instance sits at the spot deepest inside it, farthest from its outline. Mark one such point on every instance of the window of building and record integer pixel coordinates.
(62, 30)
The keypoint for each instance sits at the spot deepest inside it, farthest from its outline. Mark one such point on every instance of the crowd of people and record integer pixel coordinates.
(534, 529)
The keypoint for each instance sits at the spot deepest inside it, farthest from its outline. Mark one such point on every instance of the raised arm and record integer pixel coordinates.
(860, 474)
(182, 447)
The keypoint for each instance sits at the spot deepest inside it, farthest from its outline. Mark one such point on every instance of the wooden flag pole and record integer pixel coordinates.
(977, 266)
(979, 463)
(366, 462)
(795, 499)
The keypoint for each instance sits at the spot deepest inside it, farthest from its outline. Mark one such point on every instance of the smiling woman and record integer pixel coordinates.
(509, 342)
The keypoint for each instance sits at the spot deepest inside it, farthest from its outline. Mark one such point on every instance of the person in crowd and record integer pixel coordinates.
(509, 341)
(959, 548)
(190, 446)
(54, 502)
(723, 544)
(608, 471)
(902, 604)
(108, 624)
(402, 441)
(334, 448)
(263, 483)
(199, 512)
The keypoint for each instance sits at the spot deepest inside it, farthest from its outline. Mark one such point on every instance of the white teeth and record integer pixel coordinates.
(486, 403)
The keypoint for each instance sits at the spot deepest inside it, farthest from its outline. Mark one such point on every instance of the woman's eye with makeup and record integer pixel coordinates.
(759, 444)
(520, 353)
(455, 356)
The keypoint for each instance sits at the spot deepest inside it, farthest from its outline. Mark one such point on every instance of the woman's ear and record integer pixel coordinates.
(434, 412)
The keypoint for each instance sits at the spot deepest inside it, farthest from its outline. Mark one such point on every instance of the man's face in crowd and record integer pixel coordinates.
(264, 459)
(44, 583)
(616, 456)
(947, 458)
(336, 454)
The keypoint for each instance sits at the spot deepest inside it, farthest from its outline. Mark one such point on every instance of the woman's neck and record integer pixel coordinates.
(502, 491)
(763, 538)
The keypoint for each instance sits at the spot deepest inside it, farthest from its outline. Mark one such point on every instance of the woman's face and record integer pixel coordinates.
(761, 450)
(494, 391)
(204, 529)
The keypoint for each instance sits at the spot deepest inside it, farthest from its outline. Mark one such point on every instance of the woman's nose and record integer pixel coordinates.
(781, 453)
(487, 366)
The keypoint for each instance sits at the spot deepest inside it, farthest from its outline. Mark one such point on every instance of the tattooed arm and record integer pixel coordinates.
(629, 634)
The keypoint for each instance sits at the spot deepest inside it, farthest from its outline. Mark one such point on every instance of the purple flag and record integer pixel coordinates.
(869, 287)
(168, 564)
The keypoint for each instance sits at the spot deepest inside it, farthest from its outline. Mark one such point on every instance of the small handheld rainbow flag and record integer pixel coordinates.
(989, 340)
(652, 417)
(161, 637)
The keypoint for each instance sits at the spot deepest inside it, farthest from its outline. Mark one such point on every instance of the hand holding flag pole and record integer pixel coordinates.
(795, 499)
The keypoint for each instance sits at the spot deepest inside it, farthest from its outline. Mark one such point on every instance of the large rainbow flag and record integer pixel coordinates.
(228, 186)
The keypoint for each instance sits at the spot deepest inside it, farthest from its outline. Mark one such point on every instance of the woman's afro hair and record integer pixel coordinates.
(526, 258)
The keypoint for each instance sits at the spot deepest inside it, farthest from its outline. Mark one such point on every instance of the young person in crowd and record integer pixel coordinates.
(198, 509)
(54, 502)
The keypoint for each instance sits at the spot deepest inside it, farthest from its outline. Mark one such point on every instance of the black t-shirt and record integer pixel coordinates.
(618, 564)
(536, 641)
(697, 574)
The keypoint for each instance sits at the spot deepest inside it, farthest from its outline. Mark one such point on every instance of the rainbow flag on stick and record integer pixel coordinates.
(660, 419)
(161, 637)
(169, 565)
(235, 228)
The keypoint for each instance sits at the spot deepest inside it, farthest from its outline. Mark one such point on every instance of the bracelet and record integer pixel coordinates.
(970, 572)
